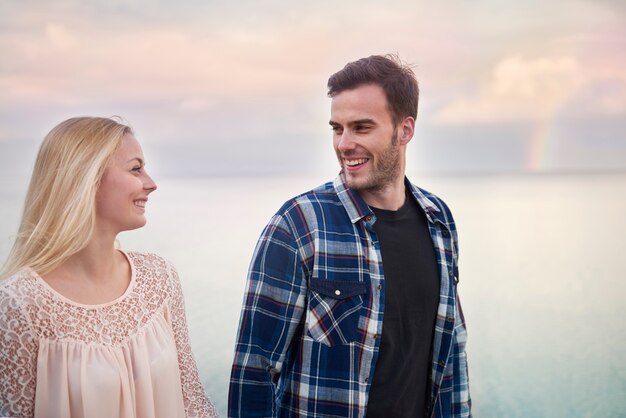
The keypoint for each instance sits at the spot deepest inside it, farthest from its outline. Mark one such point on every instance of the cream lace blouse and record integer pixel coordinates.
(126, 358)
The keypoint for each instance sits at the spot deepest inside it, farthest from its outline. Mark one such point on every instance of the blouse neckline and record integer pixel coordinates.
(58, 295)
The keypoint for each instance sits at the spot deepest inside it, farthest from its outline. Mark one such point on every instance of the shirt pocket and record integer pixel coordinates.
(333, 311)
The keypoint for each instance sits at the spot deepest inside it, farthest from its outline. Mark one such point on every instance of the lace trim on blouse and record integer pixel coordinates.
(31, 311)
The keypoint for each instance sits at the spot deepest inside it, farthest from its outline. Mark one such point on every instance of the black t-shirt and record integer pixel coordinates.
(400, 384)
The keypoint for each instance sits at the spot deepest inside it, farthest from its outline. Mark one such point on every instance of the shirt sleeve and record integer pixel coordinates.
(461, 400)
(196, 402)
(272, 310)
(18, 360)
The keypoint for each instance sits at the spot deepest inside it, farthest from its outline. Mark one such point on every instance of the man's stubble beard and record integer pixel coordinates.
(386, 169)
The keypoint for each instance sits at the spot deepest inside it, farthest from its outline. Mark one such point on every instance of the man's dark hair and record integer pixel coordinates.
(395, 78)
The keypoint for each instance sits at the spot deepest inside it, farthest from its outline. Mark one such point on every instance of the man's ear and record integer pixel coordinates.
(407, 129)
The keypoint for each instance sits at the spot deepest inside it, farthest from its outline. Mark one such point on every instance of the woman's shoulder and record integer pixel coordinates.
(152, 270)
(18, 291)
(17, 285)
(149, 261)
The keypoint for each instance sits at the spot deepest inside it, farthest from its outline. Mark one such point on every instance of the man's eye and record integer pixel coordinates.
(137, 169)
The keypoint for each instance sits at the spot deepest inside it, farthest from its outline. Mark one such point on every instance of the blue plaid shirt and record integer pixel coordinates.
(312, 315)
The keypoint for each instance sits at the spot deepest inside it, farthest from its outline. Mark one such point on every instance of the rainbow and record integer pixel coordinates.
(543, 138)
(539, 149)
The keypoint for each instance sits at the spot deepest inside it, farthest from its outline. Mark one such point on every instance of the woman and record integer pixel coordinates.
(87, 330)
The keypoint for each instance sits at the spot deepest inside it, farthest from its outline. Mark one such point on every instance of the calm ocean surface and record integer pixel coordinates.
(541, 282)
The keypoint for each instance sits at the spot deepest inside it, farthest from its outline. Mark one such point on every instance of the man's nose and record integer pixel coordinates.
(345, 141)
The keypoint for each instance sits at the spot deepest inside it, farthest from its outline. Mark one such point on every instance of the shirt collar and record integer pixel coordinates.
(358, 209)
(432, 211)
(351, 200)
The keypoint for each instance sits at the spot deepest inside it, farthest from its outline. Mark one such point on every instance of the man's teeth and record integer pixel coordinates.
(140, 203)
(352, 163)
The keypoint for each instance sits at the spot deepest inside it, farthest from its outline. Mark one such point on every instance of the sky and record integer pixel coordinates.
(239, 88)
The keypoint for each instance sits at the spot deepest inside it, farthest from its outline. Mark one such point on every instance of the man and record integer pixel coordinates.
(351, 306)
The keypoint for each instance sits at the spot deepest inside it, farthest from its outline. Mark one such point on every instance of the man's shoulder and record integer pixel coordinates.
(324, 194)
(317, 208)
(432, 202)
(437, 201)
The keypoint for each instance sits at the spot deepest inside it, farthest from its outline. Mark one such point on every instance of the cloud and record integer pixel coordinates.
(197, 104)
(138, 51)
(218, 74)
(60, 37)
(523, 89)
(546, 80)
(60, 63)
(518, 89)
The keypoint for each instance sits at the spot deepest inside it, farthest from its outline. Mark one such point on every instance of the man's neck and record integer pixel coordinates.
(390, 197)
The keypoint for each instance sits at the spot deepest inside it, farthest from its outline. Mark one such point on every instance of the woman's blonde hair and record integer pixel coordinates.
(59, 211)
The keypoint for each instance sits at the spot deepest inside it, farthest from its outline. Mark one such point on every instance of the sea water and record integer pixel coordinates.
(541, 279)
